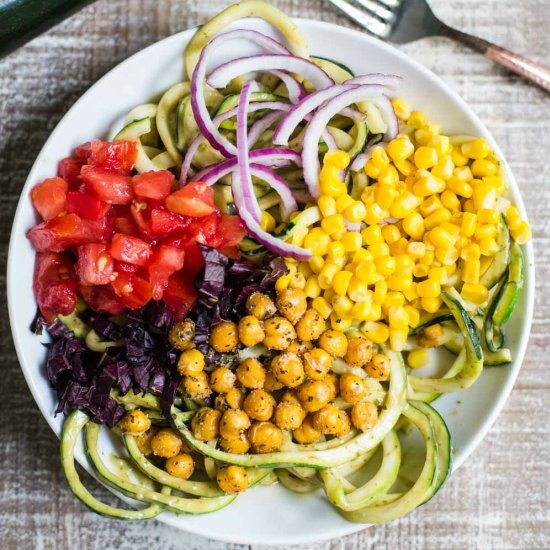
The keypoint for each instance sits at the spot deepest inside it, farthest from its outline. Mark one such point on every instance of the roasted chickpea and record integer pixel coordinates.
(238, 446)
(430, 336)
(191, 362)
(306, 433)
(143, 441)
(364, 415)
(317, 363)
(288, 369)
(378, 367)
(251, 374)
(352, 388)
(135, 422)
(206, 423)
(310, 326)
(235, 398)
(291, 302)
(331, 420)
(233, 423)
(224, 337)
(279, 333)
(299, 347)
(332, 380)
(182, 335)
(290, 397)
(166, 443)
(334, 342)
(259, 405)
(222, 379)
(232, 479)
(181, 465)
(196, 387)
(314, 395)
(265, 437)
(359, 352)
(260, 305)
(251, 331)
(289, 416)
(271, 383)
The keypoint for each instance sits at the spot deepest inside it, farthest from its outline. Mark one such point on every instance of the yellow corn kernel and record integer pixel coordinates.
(443, 145)
(335, 250)
(463, 173)
(340, 262)
(321, 305)
(375, 331)
(393, 299)
(413, 315)
(283, 282)
(425, 157)
(366, 271)
(327, 274)
(485, 231)
(417, 120)
(450, 269)
(496, 182)
(312, 288)
(267, 222)
(513, 217)
(352, 241)
(333, 223)
(389, 177)
(438, 274)
(470, 252)
(421, 270)
(450, 200)
(469, 224)
(361, 310)
(429, 288)
(446, 256)
(399, 247)
(316, 263)
(327, 205)
(304, 269)
(428, 135)
(317, 241)
(297, 281)
(428, 184)
(380, 157)
(403, 263)
(385, 265)
(431, 305)
(355, 212)
(418, 358)
(430, 205)
(458, 158)
(371, 235)
(375, 214)
(337, 158)
(400, 148)
(460, 187)
(397, 317)
(337, 323)
(405, 167)
(379, 249)
(487, 215)
(484, 196)
(476, 149)
(475, 293)
(332, 187)
(441, 238)
(482, 167)
(329, 294)
(441, 215)
(380, 292)
(471, 270)
(342, 306)
(384, 195)
(413, 225)
(398, 338)
(358, 290)
(371, 169)
(342, 202)
(341, 281)
(391, 233)
(403, 205)
(444, 167)
(361, 255)
(401, 107)
(521, 234)
(400, 281)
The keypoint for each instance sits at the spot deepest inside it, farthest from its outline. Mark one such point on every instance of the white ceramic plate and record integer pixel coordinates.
(264, 515)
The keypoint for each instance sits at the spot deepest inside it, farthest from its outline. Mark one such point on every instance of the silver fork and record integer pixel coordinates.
(402, 21)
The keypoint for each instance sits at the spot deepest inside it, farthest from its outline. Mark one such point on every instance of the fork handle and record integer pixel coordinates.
(536, 73)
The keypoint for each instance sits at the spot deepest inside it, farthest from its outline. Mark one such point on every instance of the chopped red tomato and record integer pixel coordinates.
(206, 230)
(54, 285)
(165, 261)
(83, 152)
(180, 294)
(164, 222)
(86, 206)
(132, 290)
(119, 156)
(138, 209)
(102, 299)
(59, 234)
(94, 265)
(231, 230)
(49, 197)
(107, 185)
(69, 169)
(155, 185)
(195, 199)
(130, 249)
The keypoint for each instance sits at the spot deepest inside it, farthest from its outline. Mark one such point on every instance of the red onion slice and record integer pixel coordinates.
(295, 90)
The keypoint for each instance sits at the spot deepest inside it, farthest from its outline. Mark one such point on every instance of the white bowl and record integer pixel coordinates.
(264, 515)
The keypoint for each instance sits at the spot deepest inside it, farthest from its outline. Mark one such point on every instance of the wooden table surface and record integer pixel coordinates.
(499, 498)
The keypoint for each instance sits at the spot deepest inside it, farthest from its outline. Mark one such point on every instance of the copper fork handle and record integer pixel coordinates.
(536, 73)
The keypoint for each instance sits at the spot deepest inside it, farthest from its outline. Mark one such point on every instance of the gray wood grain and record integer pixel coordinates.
(499, 498)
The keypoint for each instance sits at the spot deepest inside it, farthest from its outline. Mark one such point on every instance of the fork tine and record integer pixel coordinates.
(390, 3)
(368, 22)
(374, 8)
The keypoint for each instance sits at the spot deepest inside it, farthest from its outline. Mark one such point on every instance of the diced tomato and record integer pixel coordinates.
(180, 294)
(206, 230)
(164, 222)
(165, 261)
(231, 230)
(101, 230)
(69, 169)
(83, 152)
(133, 291)
(54, 285)
(122, 220)
(86, 206)
(132, 250)
(138, 210)
(107, 185)
(102, 299)
(195, 199)
(49, 197)
(127, 268)
(232, 252)
(94, 265)
(154, 185)
(60, 233)
(119, 156)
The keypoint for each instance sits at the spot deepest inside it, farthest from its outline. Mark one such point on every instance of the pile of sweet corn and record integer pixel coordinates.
(429, 219)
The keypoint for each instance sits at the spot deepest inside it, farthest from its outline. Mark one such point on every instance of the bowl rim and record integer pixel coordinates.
(331, 28)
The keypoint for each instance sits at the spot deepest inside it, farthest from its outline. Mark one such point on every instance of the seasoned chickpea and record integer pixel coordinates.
(233, 423)
(291, 302)
(232, 479)
(271, 383)
(288, 369)
(317, 363)
(206, 423)
(290, 397)
(331, 420)
(196, 387)
(265, 437)
(166, 443)
(191, 362)
(314, 395)
(224, 337)
(430, 337)
(143, 441)
(289, 416)
(332, 380)
(182, 335)
(251, 331)
(299, 347)
(334, 342)
(359, 352)
(310, 326)
(251, 374)
(260, 305)
(135, 422)
(352, 388)
(364, 415)
(222, 379)
(306, 433)
(259, 405)
(181, 465)
(238, 446)
(235, 398)
(279, 333)
(378, 367)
